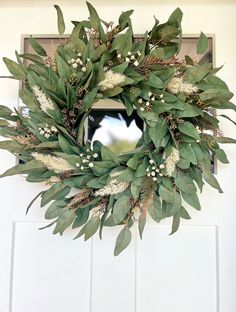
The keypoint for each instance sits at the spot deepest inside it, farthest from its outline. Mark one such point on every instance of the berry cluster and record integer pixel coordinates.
(198, 130)
(86, 160)
(132, 57)
(155, 170)
(78, 62)
(147, 104)
(48, 131)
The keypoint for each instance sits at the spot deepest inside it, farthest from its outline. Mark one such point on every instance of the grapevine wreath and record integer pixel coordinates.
(89, 186)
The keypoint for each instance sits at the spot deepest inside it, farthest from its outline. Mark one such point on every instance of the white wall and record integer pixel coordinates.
(38, 17)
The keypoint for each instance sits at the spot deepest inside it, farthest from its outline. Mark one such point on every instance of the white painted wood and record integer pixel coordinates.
(177, 273)
(190, 253)
(113, 284)
(49, 274)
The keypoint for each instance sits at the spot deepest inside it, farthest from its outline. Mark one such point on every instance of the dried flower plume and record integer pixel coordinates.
(23, 140)
(111, 80)
(171, 161)
(45, 102)
(79, 198)
(56, 164)
(177, 85)
(113, 187)
(53, 180)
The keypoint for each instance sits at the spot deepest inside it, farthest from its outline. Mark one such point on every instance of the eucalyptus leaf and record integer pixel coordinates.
(60, 20)
(91, 227)
(189, 129)
(37, 47)
(141, 224)
(185, 183)
(121, 208)
(122, 241)
(54, 192)
(175, 223)
(14, 68)
(192, 199)
(202, 44)
(64, 221)
(155, 209)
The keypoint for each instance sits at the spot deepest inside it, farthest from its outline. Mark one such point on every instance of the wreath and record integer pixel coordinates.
(88, 185)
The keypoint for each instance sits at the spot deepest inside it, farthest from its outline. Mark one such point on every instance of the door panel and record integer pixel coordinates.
(177, 272)
(49, 273)
(113, 282)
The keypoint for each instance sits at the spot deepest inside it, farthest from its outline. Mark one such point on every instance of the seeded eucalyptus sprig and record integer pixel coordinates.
(174, 98)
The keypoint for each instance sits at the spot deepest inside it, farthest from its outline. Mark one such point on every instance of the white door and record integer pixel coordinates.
(191, 271)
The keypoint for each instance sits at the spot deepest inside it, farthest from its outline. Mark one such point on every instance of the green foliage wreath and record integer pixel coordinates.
(174, 98)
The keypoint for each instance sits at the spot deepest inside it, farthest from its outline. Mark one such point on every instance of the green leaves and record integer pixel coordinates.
(121, 209)
(91, 227)
(32, 201)
(192, 199)
(29, 99)
(141, 224)
(155, 209)
(55, 209)
(123, 240)
(209, 177)
(5, 111)
(217, 95)
(55, 191)
(185, 183)
(202, 44)
(63, 68)
(154, 81)
(66, 146)
(24, 168)
(197, 72)
(189, 129)
(11, 146)
(175, 223)
(168, 33)
(169, 196)
(225, 140)
(64, 221)
(60, 20)
(157, 133)
(15, 69)
(37, 47)
(124, 19)
(176, 17)
(123, 43)
(220, 154)
(107, 154)
(94, 18)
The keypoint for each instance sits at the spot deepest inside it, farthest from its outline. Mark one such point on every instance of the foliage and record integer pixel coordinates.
(173, 97)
